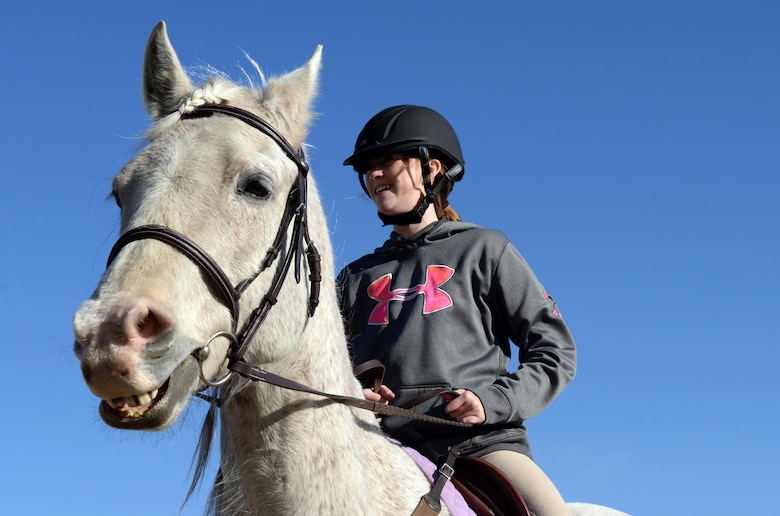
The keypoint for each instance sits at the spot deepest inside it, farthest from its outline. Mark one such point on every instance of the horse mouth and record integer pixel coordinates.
(156, 409)
(136, 406)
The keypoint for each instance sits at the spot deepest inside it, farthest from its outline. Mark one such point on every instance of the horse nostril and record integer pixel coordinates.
(145, 321)
(149, 326)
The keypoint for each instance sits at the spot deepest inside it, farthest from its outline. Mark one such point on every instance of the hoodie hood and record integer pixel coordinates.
(398, 244)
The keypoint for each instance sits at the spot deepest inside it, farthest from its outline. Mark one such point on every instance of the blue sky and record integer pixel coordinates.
(628, 149)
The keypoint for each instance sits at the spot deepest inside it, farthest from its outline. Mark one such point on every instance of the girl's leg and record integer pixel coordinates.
(539, 493)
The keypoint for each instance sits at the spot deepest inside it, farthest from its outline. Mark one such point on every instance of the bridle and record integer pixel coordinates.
(295, 213)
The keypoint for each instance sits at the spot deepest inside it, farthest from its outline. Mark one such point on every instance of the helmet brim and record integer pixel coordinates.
(359, 159)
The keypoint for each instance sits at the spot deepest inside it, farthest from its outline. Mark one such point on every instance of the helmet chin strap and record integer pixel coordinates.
(415, 215)
(410, 217)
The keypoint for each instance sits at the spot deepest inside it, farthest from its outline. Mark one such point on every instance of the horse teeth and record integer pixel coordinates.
(138, 400)
(136, 405)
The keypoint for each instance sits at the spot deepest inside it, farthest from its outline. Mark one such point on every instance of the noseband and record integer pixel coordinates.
(295, 214)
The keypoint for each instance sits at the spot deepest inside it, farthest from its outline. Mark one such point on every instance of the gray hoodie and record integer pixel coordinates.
(440, 310)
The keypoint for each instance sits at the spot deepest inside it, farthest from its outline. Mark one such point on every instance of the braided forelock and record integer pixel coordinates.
(216, 90)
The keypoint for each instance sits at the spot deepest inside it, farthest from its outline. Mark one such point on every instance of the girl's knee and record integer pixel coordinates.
(539, 493)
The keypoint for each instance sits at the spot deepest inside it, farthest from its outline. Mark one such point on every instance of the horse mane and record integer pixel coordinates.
(221, 495)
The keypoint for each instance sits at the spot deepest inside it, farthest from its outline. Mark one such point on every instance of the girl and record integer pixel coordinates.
(440, 302)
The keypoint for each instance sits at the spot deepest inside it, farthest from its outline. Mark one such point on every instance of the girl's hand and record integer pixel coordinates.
(383, 396)
(466, 408)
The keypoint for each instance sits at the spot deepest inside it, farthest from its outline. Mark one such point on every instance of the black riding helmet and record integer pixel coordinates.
(409, 130)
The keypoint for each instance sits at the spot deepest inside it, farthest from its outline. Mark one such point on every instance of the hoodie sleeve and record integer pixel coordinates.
(547, 352)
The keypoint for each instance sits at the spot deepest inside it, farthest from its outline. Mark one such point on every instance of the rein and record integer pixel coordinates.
(255, 373)
(295, 214)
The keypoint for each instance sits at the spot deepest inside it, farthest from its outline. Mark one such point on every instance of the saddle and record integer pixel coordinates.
(486, 489)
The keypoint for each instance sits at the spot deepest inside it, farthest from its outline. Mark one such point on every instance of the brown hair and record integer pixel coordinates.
(443, 209)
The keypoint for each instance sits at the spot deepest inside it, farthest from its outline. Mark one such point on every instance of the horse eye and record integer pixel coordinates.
(254, 187)
(115, 195)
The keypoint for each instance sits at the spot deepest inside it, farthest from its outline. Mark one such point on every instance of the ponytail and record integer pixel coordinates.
(450, 214)
(443, 209)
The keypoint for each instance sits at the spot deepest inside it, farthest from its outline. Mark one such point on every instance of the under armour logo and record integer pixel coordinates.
(435, 298)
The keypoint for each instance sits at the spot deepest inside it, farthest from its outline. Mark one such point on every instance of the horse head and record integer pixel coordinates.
(202, 203)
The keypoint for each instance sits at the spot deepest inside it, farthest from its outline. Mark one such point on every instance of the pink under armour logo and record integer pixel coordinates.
(435, 298)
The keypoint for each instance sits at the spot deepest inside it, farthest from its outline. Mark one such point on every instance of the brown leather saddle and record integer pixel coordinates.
(486, 489)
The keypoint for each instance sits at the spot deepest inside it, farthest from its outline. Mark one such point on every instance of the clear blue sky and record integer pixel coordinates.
(630, 150)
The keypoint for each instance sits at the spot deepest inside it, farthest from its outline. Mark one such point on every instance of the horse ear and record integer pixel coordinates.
(291, 97)
(165, 82)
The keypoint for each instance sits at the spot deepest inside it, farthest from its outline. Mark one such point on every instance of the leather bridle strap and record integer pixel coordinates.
(255, 373)
(296, 206)
(258, 123)
(258, 316)
(190, 249)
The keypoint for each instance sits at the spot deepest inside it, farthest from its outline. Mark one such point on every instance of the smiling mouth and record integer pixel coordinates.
(133, 407)
(382, 188)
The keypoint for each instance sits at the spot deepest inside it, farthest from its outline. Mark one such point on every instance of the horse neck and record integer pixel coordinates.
(277, 442)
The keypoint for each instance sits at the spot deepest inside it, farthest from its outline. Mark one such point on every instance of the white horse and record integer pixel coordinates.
(221, 181)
